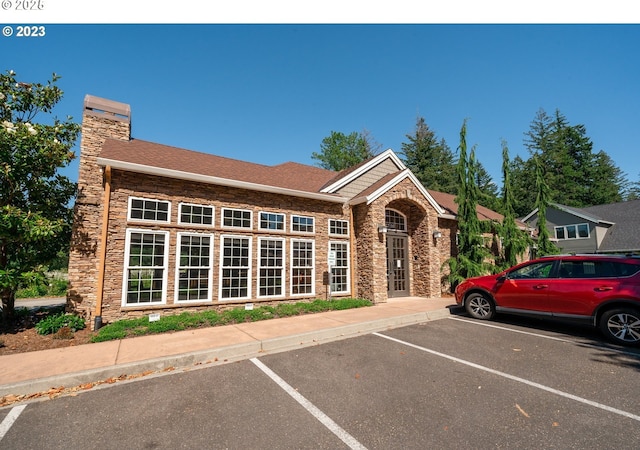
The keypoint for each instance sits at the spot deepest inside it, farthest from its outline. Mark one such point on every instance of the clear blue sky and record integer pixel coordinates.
(270, 93)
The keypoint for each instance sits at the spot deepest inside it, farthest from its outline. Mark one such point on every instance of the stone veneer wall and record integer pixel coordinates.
(125, 184)
(88, 209)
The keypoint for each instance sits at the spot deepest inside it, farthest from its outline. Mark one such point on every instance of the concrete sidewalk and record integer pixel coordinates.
(27, 373)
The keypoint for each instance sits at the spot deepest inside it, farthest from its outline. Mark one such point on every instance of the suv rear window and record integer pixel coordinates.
(597, 269)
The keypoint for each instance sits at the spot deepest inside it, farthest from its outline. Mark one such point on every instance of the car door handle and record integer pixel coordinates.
(541, 286)
(603, 288)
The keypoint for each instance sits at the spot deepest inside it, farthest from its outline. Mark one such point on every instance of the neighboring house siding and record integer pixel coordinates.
(558, 218)
(367, 179)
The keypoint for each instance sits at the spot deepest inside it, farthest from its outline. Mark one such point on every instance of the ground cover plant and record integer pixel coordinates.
(141, 326)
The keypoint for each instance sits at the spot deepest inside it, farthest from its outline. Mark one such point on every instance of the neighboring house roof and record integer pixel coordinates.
(621, 220)
(623, 235)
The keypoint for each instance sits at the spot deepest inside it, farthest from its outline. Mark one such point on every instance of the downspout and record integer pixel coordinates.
(103, 249)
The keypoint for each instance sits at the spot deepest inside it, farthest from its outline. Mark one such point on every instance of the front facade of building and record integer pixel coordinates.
(164, 230)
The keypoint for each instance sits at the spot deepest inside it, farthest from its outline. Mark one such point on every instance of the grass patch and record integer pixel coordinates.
(141, 326)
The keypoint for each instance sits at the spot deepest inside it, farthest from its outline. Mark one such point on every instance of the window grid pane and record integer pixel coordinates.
(235, 268)
(196, 214)
(270, 278)
(145, 271)
(394, 220)
(340, 272)
(271, 221)
(154, 210)
(237, 218)
(302, 267)
(194, 267)
(340, 227)
(302, 224)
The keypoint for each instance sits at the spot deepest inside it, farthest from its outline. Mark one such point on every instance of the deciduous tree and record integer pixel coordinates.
(340, 151)
(35, 215)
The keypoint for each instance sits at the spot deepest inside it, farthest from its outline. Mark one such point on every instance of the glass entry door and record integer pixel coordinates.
(397, 265)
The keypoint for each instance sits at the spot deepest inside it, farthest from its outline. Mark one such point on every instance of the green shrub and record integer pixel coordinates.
(54, 322)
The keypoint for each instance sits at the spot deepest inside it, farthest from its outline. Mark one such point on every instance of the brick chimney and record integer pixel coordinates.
(101, 119)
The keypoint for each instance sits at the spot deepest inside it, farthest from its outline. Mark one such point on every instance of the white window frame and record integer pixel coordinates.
(133, 219)
(272, 230)
(222, 224)
(281, 267)
(292, 267)
(204, 225)
(187, 267)
(127, 267)
(333, 224)
(565, 229)
(346, 268)
(313, 224)
(221, 269)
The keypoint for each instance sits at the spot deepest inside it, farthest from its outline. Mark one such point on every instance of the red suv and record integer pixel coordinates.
(603, 291)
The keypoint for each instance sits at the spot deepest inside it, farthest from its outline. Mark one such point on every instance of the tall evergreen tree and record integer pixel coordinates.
(430, 159)
(514, 241)
(472, 253)
(545, 246)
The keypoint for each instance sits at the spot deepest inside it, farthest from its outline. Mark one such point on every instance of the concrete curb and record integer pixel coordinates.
(220, 355)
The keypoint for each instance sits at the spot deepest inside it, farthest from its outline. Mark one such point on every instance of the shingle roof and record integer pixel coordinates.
(623, 236)
(447, 201)
(288, 175)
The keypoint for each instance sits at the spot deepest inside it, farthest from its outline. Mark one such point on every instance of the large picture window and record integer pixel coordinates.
(146, 257)
(194, 267)
(235, 267)
(142, 209)
(271, 268)
(302, 267)
(340, 271)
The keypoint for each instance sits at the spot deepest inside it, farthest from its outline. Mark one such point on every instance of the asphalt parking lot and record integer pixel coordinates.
(452, 383)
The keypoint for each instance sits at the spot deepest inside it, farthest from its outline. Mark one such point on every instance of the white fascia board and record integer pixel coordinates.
(528, 216)
(364, 168)
(447, 216)
(188, 176)
(390, 184)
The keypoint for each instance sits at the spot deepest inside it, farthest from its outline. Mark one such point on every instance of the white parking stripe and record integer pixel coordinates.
(553, 338)
(10, 419)
(306, 404)
(518, 379)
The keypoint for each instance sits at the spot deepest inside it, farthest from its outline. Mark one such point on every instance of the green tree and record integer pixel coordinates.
(487, 189)
(545, 246)
(35, 215)
(472, 253)
(430, 159)
(340, 151)
(514, 240)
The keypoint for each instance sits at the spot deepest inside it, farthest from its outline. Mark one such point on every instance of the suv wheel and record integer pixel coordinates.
(621, 325)
(480, 306)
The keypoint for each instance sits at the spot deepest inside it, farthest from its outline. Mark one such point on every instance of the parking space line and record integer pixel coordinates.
(514, 378)
(311, 408)
(10, 419)
(553, 338)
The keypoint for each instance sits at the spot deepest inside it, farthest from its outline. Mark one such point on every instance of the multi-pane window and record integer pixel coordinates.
(146, 209)
(236, 218)
(195, 214)
(580, 231)
(235, 267)
(145, 267)
(194, 267)
(271, 268)
(302, 224)
(302, 267)
(340, 271)
(338, 227)
(394, 220)
(271, 221)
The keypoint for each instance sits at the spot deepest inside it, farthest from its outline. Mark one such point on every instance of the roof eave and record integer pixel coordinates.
(188, 176)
